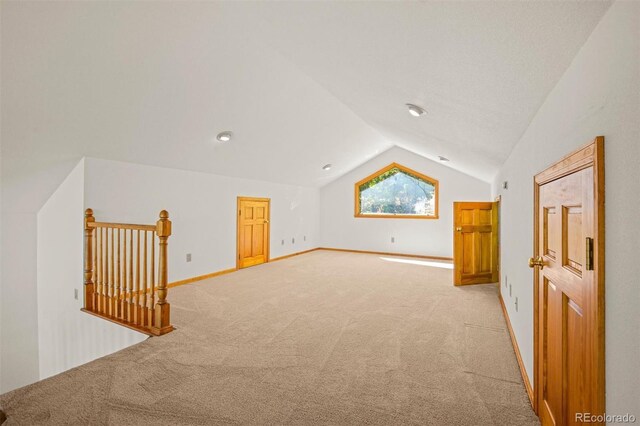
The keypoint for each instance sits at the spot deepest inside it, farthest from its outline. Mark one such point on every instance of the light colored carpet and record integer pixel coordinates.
(321, 338)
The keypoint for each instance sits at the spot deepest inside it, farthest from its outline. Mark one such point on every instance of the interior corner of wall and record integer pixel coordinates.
(78, 168)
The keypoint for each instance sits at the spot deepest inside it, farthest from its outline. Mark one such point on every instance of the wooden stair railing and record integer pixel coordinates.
(120, 284)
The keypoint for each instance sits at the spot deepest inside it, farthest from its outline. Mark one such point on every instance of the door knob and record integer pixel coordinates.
(266, 221)
(538, 261)
(459, 228)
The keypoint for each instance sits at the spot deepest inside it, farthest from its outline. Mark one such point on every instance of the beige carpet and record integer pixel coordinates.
(321, 338)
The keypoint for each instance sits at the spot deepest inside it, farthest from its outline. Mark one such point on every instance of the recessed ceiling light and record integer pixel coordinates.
(224, 136)
(326, 167)
(415, 110)
(441, 158)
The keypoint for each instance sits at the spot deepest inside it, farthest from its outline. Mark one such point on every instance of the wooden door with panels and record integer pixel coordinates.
(253, 231)
(475, 243)
(568, 267)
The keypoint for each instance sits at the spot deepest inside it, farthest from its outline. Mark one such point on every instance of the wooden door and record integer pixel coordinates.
(475, 243)
(253, 231)
(569, 292)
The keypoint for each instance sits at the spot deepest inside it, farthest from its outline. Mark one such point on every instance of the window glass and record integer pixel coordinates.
(397, 191)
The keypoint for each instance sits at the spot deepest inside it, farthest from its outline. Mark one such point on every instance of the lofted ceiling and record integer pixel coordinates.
(480, 69)
(300, 84)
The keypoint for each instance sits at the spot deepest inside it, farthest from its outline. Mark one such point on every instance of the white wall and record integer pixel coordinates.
(433, 237)
(68, 337)
(598, 95)
(1, 246)
(202, 208)
(19, 322)
(24, 192)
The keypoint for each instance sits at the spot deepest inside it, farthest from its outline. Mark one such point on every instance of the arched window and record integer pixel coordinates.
(397, 192)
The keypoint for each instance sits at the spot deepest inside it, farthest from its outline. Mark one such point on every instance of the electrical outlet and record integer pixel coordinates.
(516, 303)
(393, 239)
(188, 257)
(509, 290)
(293, 240)
(75, 293)
(282, 242)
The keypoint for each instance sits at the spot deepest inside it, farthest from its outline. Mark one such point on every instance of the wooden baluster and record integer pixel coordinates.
(105, 270)
(123, 280)
(96, 270)
(130, 306)
(99, 266)
(116, 302)
(138, 321)
(162, 323)
(105, 283)
(145, 310)
(123, 308)
(99, 289)
(153, 277)
(112, 282)
(88, 260)
(108, 271)
(105, 292)
(107, 280)
(96, 265)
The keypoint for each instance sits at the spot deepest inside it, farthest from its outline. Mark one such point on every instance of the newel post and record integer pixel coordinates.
(162, 322)
(88, 259)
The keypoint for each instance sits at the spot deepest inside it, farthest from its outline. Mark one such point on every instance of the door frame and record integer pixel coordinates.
(498, 201)
(590, 155)
(268, 236)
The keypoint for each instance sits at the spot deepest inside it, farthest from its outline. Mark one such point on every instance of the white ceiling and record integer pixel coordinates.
(481, 69)
(299, 84)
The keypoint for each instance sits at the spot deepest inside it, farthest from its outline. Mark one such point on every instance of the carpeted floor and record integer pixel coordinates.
(321, 338)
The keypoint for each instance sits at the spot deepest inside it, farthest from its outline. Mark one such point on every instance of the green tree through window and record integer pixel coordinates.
(397, 191)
